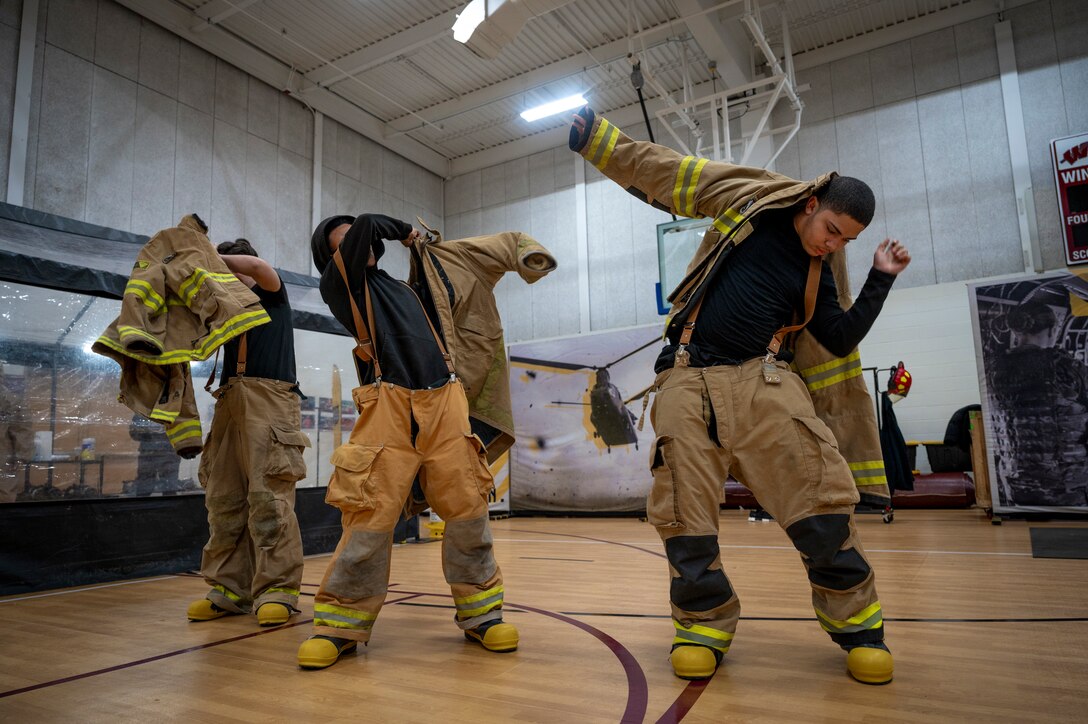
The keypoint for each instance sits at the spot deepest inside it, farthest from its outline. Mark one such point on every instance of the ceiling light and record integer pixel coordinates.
(467, 20)
(551, 108)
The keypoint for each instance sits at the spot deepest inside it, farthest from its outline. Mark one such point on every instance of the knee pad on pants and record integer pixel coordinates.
(697, 588)
(819, 539)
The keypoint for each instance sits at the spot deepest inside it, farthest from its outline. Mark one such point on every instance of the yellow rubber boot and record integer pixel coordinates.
(870, 665)
(205, 610)
(321, 653)
(273, 614)
(498, 637)
(693, 662)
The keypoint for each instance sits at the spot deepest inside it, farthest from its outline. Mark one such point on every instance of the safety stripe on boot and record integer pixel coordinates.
(833, 372)
(183, 431)
(478, 603)
(604, 142)
(325, 614)
(687, 180)
(228, 593)
(727, 221)
(868, 618)
(869, 472)
(277, 589)
(702, 635)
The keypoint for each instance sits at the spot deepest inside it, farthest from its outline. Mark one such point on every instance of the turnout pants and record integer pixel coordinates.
(399, 433)
(714, 421)
(251, 462)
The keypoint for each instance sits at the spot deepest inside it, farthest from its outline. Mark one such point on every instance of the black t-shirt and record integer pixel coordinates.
(407, 350)
(759, 288)
(270, 349)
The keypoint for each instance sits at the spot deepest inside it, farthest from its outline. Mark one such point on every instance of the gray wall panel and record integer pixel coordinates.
(71, 26)
(329, 207)
(947, 172)
(564, 166)
(517, 178)
(541, 173)
(393, 175)
(1000, 250)
(228, 181)
(976, 48)
(858, 145)
(293, 212)
(817, 148)
(193, 163)
(1074, 74)
(11, 13)
(153, 179)
(9, 56)
(905, 201)
(545, 293)
(371, 164)
(111, 157)
(492, 185)
(818, 100)
(117, 39)
(159, 58)
(1033, 36)
(893, 68)
(296, 127)
(30, 181)
(851, 85)
(348, 151)
(196, 78)
(231, 94)
(263, 112)
(935, 61)
(262, 161)
(63, 134)
(349, 197)
(1070, 28)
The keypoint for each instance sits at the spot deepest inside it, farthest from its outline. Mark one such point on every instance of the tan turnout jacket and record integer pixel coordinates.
(732, 196)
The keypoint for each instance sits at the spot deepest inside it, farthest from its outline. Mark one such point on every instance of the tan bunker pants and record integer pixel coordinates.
(400, 432)
(714, 421)
(250, 464)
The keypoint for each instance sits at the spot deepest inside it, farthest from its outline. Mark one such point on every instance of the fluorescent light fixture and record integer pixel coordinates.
(467, 20)
(550, 109)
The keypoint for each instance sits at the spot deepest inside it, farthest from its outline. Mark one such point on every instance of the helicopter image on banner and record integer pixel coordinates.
(611, 420)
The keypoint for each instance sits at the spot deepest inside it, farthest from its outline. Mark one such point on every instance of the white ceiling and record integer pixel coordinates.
(391, 70)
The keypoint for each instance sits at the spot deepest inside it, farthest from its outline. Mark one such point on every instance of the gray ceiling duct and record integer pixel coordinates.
(487, 26)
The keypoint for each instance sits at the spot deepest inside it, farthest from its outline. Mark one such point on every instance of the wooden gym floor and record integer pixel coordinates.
(980, 630)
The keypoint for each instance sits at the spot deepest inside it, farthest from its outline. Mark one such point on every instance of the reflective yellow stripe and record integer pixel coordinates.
(349, 612)
(690, 200)
(163, 415)
(602, 129)
(229, 594)
(702, 635)
(678, 187)
(827, 382)
(463, 604)
(728, 221)
(867, 618)
(837, 362)
(232, 328)
(124, 330)
(336, 617)
(276, 589)
(608, 149)
(869, 472)
(683, 192)
(184, 430)
(144, 291)
(192, 285)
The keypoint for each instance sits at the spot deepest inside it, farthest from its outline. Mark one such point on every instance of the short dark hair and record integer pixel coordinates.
(850, 196)
(238, 246)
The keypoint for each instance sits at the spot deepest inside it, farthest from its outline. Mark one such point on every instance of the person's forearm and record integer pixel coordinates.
(841, 334)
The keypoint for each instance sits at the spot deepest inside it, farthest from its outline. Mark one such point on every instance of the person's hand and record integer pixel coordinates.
(580, 123)
(412, 237)
(891, 257)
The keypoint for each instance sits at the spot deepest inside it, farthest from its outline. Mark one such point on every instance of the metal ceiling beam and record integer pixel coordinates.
(384, 50)
(216, 12)
(603, 54)
(903, 31)
(726, 43)
(215, 40)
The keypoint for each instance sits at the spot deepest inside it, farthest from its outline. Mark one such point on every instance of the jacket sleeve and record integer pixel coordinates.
(365, 232)
(493, 255)
(683, 185)
(141, 325)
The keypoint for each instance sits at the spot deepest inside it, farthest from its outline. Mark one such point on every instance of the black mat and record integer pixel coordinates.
(1059, 542)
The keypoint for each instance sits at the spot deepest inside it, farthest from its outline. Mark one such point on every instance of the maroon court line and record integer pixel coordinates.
(684, 702)
(694, 689)
(167, 655)
(637, 688)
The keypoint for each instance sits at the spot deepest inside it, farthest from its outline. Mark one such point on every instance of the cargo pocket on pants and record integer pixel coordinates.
(285, 461)
(663, 504)
(353, 480)
(828, 477)
(478, 468)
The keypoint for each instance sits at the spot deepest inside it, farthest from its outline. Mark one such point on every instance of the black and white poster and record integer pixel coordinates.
(1031, 340)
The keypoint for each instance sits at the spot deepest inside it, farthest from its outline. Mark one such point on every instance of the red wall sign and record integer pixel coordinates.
(1071, 173)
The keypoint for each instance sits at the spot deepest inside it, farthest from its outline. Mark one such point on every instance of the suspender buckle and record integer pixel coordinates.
(683, 358)
(771, 374)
